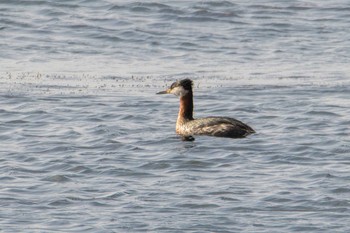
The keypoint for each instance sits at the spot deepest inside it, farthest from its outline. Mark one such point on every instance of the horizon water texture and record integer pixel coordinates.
(87, 145)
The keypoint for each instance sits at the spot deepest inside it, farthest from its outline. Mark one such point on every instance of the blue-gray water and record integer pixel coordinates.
(87, 146)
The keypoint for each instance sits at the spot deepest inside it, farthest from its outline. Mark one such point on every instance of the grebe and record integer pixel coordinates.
(186, 125)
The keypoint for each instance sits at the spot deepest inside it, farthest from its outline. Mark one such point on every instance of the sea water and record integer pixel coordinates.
(87, 146)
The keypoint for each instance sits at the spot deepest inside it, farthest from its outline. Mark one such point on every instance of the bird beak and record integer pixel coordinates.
(164, 92)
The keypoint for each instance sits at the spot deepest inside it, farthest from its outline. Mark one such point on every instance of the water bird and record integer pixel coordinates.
(187, 126)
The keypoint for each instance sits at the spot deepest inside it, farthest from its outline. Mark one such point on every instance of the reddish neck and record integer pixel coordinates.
(186, 106)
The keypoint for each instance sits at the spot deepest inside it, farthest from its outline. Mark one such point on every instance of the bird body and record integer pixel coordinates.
(186, 125)
(213, 126)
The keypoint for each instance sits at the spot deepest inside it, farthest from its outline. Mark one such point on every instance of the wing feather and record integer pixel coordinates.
(221, 127)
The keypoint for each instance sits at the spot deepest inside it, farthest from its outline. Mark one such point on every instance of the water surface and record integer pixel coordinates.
(87, 145)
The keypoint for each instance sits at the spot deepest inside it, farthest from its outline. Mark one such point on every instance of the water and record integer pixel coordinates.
(87, 146)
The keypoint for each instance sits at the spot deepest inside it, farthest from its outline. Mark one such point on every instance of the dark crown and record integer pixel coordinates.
(186, 83)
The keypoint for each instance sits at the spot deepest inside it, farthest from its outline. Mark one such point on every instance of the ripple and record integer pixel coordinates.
(58, 179)
(62, 202)
(83, 135)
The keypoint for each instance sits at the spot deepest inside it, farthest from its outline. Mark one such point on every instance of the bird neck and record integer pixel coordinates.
(186, 106)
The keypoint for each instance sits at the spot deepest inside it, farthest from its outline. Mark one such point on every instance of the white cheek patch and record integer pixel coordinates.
(179, 91)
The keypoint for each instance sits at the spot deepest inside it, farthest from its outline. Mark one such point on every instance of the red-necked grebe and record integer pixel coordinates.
(186, 125)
